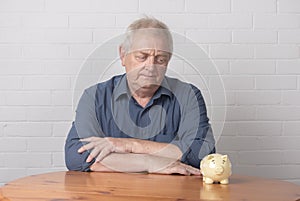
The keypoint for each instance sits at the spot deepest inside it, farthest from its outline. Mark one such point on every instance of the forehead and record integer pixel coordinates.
(150, 41)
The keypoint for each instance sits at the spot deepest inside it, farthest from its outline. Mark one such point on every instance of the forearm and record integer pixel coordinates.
(125, 162)
(149, 147)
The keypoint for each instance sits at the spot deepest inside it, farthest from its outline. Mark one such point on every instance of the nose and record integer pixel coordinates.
(150, 63)
(150, 60)
(219, 170)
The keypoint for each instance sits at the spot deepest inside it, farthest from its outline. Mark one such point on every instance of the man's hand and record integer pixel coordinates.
(162, 165)
(101, 147)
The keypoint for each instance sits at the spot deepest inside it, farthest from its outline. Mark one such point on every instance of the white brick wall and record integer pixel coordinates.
(254, 43)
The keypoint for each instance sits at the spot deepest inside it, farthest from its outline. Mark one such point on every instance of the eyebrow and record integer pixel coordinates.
(159, 53)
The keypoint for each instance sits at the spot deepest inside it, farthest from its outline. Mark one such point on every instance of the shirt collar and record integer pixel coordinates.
(122, 89)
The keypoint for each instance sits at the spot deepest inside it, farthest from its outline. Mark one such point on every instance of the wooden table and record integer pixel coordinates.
(69, 186)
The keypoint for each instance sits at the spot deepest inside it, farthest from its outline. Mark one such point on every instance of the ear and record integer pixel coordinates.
(122, 55)
(225, 157)
(210, 157)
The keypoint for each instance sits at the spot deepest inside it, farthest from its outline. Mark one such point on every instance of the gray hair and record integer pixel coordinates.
(147, 24)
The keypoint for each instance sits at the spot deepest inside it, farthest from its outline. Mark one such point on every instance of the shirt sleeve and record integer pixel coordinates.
(195, 137)
(85, 125)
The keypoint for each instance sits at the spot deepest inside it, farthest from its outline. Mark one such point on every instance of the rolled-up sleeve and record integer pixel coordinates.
(74, 160)
(195, 137)
(85, 125)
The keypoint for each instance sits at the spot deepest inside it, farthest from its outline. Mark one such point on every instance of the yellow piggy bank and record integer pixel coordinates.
(215, 168)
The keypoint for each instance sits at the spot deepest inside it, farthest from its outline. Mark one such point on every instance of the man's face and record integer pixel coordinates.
(146, 62)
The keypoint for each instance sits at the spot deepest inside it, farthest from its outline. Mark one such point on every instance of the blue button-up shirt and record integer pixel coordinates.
(175, 114)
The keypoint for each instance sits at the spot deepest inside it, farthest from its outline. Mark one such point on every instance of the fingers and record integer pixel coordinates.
(105, 152)
(181, 168)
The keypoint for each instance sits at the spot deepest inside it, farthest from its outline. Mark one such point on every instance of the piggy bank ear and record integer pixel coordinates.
(210, 157)
(225, 157)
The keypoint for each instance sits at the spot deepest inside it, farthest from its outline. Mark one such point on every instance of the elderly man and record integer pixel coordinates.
(141, 121)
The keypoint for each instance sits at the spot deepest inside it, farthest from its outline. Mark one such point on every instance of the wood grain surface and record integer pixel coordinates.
(69, 186)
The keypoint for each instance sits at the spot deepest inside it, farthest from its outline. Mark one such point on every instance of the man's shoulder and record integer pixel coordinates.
(179, 85)
(105, 85)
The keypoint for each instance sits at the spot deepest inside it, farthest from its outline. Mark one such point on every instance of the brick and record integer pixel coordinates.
(217, 98)
(231, 51)
(83, 51)
(291, 156)
(17, 35)
(62, 98)
(45, 20)
(276, 82)
(9, 52)
(250, 143)
(108, 36)
(92, 21)
(46, 144)
(260, 157)
(20, 67)
(258, 128)
(27, 160)
(12, 114)
(278, 113)
(291, 128)
(46, 51)
(260, 37)
(229, 128)
(290, 36)
(28, 98)
(10, 82)
(58, 159)
(61, 129)
(164, 6)
(212, 6)
(50, 114)
(68, 36)
(67, 6)
(255, 6)
(258, 98)
(194, 79)
(252, 67)
(203, 36)
(230, 21)
(186, 21)
(291, 98)
(269, 171)
(28, 129)
(232, 82)
(206, 67)
(19, 5)
(276, 51)
(271, 21)
(288, 67)
(11, 174)
(46, 83)
(12, 145)
(62, 67)
(289, 6)
(290, 143)
(240, 113)
(115, 6)
(9, 20)
(35, 171)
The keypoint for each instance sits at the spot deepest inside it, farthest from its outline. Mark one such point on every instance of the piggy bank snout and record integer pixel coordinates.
(219, 170)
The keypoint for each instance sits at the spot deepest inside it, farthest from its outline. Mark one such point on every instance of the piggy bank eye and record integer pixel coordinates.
(213, 161)
(224, 161)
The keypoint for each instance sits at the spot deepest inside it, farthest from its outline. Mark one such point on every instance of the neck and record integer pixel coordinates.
(143, 95)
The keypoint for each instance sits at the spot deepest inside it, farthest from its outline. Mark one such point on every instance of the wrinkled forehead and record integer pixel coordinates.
(151, 39)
